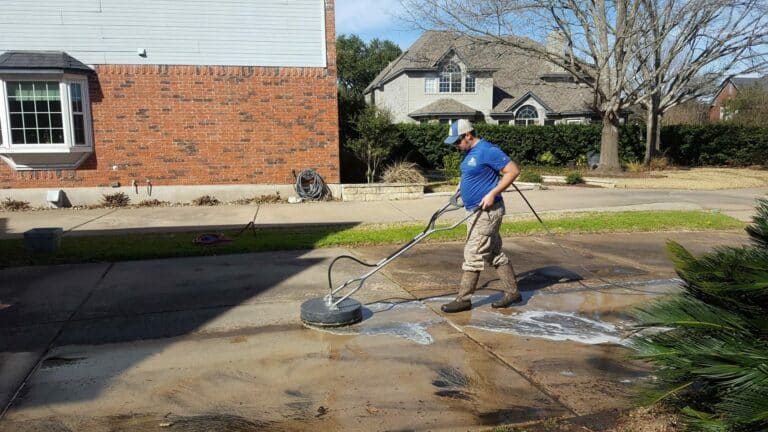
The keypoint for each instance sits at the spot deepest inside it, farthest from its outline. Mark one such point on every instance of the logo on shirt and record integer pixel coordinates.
(472, 162)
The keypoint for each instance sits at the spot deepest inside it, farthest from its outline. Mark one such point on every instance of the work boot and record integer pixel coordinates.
(509, 282)
(463, 300)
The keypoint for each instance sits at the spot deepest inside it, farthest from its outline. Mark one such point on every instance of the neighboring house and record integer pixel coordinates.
(728, 90)
(443, 78)
(224, 96)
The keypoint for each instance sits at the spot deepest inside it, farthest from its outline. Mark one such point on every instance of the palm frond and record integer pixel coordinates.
(758, 231)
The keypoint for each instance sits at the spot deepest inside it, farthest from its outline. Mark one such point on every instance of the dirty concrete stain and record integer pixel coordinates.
(555, 326)
(57, 361)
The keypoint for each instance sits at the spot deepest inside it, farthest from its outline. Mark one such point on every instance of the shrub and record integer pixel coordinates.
(452, 167)
(659, 164)
(635, 167)
(574, 178)
(205, 200)
(710, 342)
(530, 177)
(14, 205)
(403, 172)
(153, 203)
(547, 158)
(117, 199)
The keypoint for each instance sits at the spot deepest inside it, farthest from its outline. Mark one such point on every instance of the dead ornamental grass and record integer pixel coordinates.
(698, 178)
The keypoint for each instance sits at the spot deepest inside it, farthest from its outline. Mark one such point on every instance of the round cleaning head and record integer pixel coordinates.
(315, 312)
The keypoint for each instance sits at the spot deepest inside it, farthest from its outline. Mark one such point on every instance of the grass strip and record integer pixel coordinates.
(125, 247)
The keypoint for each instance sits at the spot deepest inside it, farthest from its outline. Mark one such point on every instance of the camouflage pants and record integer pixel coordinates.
(483, 239)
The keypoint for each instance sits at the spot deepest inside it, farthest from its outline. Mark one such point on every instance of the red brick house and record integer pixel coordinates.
(225, 97)
(727, 91)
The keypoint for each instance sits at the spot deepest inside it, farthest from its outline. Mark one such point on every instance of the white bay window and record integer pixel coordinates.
(45, 120)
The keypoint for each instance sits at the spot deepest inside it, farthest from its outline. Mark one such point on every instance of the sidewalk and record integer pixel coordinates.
(738, 203)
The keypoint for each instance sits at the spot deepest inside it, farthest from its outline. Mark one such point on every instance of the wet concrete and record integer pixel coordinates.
(216, 343)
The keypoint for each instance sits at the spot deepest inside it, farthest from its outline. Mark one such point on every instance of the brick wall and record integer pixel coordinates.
(728, 92)
(197, 125)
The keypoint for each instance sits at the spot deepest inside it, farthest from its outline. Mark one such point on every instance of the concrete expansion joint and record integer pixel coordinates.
(537, 385)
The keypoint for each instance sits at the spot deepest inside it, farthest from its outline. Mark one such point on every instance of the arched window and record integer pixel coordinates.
(450, 78)
(526, 115)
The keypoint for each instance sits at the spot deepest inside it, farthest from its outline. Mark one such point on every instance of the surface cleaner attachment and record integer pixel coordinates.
(338, 308)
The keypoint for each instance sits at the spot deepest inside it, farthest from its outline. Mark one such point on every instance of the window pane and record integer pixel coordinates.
(469, 84)
(16, 121)
(30, 122)
(58, 136)
(30, 136)
(14, 105)
(76, 96)
(43, 121)
(17, 136)
(56, 120)
(31, 104)
(45, 136)
(79, 128)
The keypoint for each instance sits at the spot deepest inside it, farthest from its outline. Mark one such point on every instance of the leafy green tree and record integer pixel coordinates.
(357, 65)
(377, 136)
(710, 346)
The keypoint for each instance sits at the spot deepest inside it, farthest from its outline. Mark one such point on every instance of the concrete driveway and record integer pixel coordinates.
(215, 343)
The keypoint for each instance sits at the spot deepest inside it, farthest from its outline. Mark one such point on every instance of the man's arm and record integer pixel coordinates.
(508, 174)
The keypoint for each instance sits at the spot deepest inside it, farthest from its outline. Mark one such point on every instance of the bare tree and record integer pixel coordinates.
(690, 47)
(600, 39)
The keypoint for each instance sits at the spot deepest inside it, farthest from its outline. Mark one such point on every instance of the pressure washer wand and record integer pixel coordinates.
(453, 204)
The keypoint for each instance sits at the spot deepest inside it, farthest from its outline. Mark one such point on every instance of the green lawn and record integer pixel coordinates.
(76, 249)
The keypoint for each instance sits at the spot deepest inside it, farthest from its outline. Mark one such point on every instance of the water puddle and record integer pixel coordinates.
(404, 320)
(550, 325)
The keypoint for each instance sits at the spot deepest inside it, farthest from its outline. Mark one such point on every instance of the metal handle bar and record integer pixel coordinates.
(453, 204)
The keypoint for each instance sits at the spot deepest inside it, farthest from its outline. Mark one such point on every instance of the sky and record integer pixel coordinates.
(371, 19)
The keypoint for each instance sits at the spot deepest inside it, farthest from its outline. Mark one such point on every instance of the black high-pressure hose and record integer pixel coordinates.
(569, 254)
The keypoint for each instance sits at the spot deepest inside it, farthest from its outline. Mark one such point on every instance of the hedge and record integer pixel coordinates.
(526, 145)
(714, 144)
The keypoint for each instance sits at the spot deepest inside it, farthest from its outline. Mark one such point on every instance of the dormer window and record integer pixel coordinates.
(450, 78)
(527, 115)
(45, 119)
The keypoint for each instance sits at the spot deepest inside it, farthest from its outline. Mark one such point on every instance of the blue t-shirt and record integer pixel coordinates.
(480, 172)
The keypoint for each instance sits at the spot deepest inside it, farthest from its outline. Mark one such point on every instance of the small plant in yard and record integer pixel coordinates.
(9, 204)
(452, 167)
(574, 178)
(117, 199)
(547, 158)
(710, 342)
(403, 172)
(153, 203)
(530, 177)
(205, 200)
(635, 167)
(659, 164)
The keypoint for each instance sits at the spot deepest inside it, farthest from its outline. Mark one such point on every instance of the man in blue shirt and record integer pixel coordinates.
(481, 187)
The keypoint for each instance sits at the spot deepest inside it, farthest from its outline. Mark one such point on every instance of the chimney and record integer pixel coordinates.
(557, 44)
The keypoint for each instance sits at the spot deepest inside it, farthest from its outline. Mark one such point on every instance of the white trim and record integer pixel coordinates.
(5, 129)
(322, 31)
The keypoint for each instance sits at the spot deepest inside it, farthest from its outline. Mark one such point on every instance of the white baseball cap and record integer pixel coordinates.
(457, 129)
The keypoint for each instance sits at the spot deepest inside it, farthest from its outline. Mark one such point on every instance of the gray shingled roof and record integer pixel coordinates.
(445, 107)
(515, 73)
(26, 60)
(747, 82)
